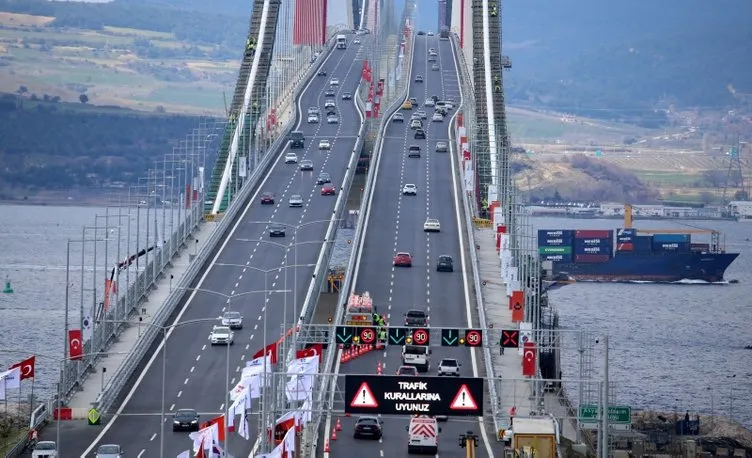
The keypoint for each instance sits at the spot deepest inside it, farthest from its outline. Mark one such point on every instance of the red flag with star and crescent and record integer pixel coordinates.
(75, 345)
(529, 358)
(27, 367)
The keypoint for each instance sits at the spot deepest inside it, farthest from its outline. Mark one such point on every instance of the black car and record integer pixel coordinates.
(419, 78)
(330, 93)
(420, 32)
(322, 73)
(346, 96)
(185, 420)
(367, 427)
(445, 263)
(420, 134)
(276, 230)
(267, 199)
(435, 98)
(416, 318)
(323, 178)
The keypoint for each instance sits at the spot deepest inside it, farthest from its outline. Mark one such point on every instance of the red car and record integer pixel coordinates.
(403, 260)
(267, 199)
(328, 190)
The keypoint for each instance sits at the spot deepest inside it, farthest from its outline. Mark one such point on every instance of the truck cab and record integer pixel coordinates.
(423, 435)
(360, 310)
(418, 356)
(297, 140)
(341, 41)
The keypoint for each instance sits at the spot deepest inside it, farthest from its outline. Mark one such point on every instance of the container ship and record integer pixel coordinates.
(629, 254)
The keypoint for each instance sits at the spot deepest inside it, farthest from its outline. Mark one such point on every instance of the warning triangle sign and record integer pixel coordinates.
(364, 397)
(464, 400)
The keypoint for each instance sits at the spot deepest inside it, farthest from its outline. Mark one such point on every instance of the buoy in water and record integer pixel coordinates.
(8, 287)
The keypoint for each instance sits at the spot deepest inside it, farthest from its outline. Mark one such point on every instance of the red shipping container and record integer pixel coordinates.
(593, 234)
(593, 258)
(624, 246)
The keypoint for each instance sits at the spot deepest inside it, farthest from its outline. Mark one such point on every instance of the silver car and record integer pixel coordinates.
(296, 200)
(221, 335)
(109, 451)
(442, 147)
(332, 119)
(233, 320)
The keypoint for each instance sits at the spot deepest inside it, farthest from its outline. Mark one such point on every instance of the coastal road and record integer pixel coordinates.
(396, 224)
(196, 371)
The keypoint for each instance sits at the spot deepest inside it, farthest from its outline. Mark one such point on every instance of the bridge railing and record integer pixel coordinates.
(150, 336)
(472, 243)
(326, 389)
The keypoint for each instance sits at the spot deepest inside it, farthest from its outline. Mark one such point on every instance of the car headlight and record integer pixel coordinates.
(176, 422)
(194, 421)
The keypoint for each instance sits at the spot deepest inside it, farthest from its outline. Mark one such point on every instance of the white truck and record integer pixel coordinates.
(423, 435)
(418, 356)
(341, 41)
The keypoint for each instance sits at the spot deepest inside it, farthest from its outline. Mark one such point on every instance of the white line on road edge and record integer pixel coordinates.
(463, 254)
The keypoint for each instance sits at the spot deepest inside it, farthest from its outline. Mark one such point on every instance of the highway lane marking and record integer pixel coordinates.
(255, 327)
(237, 369)
(232, 381)
(172, 407)
(468, 305)
(140, 454)
(252, 336)
(203, 348)
(247, 346)
(186, 381)
(242, 357)
(232, 293)
(198, 357)
(180, 393)
(153, 436)
(193, 368)
(222, 407)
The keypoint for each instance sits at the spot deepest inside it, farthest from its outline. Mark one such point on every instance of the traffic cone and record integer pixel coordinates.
(338, 426)
(326, 446)
(334, 434)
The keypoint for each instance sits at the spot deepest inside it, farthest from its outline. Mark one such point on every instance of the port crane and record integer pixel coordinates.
(715, 245)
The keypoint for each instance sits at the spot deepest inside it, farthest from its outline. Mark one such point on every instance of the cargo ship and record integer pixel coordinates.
(630, 255)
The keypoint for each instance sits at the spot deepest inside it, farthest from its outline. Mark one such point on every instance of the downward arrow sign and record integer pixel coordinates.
(449, 340)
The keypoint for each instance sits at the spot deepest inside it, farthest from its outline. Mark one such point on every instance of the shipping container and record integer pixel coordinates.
(550, 234)
(624, 246)
(555, 242)
(592, 258)
(663, 247)
(555, 250)
(626, 233)
(671, 238)
(600, 249)
(592, 242)
(700, 246)
(643, 243)
(557, 257)
(624, 239)
(594, 234)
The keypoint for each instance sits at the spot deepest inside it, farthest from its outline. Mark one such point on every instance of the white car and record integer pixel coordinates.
(233, 320)
(325, 144)
(442, 147)
(291, 158)
(313, 118)
(330, 104)
(416, 123)
(410, 190)
(296, 200)
(332, 119)
(222, 335)
(109, 451)
(437, 117)
(334, 82)
(356, 42)
(429, 103)
(449, 366)
(45, 449)
(421, 114)
(430, 33)
(432, 225)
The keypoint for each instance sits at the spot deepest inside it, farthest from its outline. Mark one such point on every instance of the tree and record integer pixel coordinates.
(83, 98)
(22, 90)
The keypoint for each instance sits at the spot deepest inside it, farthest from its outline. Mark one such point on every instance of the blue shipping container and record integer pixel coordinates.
(545, 234)
(598, 249)
(552, 241)
(643, 244)
(626, 233)
(664, 247)
(557, 257)
(671, 238)
(625, 238)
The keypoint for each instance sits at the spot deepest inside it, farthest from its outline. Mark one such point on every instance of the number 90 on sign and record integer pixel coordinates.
(367, 335)
(473, 338)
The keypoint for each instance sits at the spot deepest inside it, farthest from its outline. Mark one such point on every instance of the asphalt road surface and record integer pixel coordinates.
(248, 266)
(396, 224)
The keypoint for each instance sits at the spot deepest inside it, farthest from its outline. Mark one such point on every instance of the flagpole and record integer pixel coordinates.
(266, 362)
(227, 401)
(64, 367)
(31, 401)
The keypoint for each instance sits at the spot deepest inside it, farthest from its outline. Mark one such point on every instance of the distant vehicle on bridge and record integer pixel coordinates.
(341, 42)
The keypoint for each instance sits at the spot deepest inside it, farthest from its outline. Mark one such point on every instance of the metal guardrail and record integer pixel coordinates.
(39, 417)
(120, 378)
(348, 284)
(477, 282)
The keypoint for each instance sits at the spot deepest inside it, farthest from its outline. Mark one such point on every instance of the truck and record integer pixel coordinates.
(360, 310)
(423, 435)
(418, 356)
(341, 41)
(297, 139)
(537, 435)
(444, 34)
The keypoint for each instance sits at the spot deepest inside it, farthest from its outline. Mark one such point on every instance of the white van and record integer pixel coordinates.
(423, 435)
(418, 356)
(341, 42)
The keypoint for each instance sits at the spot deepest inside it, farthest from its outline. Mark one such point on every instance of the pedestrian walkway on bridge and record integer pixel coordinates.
(515, 393)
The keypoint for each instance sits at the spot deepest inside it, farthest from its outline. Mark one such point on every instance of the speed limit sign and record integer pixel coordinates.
(367, 335)
(420, 337)
(473, 337)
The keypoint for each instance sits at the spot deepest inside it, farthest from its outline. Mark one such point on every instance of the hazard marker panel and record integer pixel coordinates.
(464, 400)
(364, 398)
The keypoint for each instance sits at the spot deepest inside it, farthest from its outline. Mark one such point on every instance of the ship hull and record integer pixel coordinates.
(673, 267)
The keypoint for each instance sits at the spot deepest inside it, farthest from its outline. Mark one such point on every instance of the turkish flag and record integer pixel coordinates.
(27, 367)
(270, 350)
(529, 359)
(220, 422)
(200, 453)
(75, 345)
(517, 304)
(281, 426)
(313, 350)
